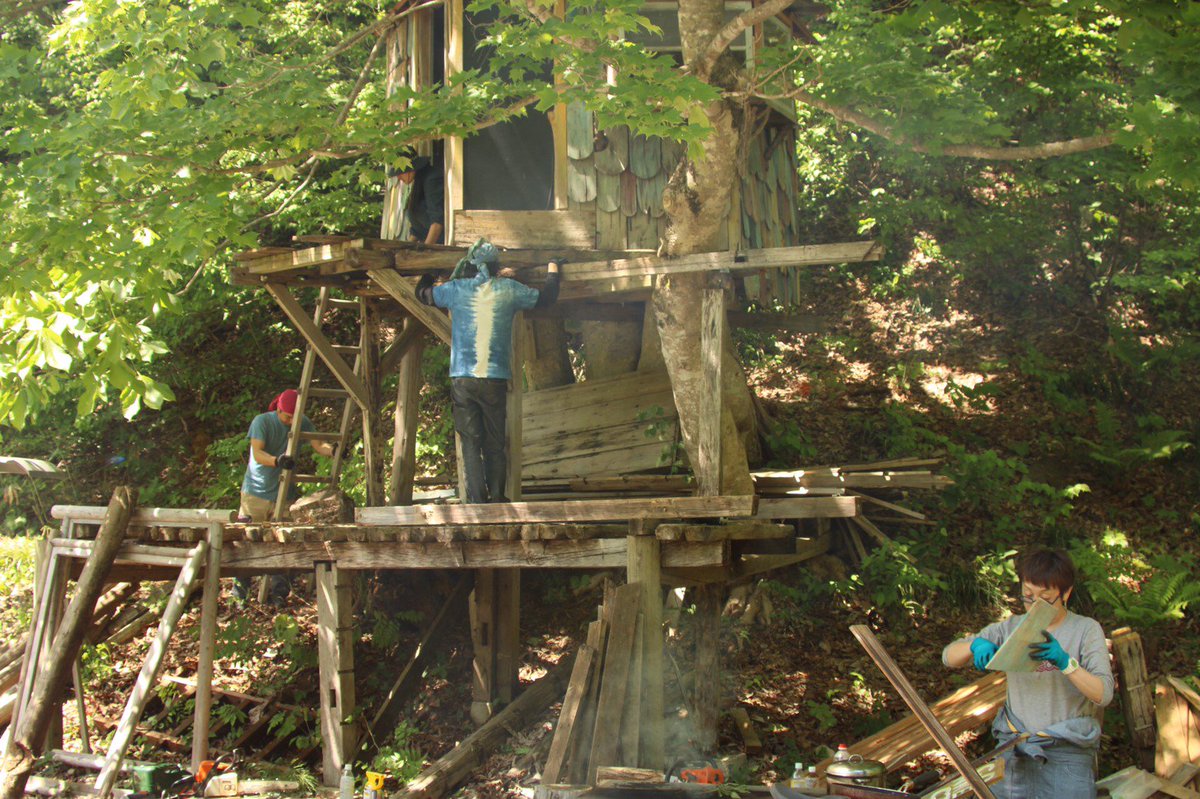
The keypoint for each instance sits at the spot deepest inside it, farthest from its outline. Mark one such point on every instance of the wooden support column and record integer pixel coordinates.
(372, 419)
(483, 618)
(513, 431)
(645, 568)
(706, 693)
(207, 646)
(454, 144)
(508, 634)
(404, 446)
(55, 597)
(335, 651)
(712, 339)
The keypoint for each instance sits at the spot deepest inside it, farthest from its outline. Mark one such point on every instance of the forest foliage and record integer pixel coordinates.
(143, 143)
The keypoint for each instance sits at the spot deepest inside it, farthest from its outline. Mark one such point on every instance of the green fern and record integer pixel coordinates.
(1163, 596)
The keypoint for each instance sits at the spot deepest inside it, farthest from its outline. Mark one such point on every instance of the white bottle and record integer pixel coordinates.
(842, 753)
(811, 784)
(797, 775)
(346, 783)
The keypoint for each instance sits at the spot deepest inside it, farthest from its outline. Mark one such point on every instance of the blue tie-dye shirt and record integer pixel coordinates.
(482, 310)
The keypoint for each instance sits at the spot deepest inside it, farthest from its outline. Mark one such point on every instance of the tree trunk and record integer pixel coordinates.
(548, 365)
(698, 200)
(51, 678)
(611, 348)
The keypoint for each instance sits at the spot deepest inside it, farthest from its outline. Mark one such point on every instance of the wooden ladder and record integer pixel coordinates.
(308, 390)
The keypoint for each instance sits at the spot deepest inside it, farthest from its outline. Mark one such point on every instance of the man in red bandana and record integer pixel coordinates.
(268, 458)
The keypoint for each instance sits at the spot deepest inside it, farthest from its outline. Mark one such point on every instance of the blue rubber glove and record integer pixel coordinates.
(1050, 651)
(982, 650)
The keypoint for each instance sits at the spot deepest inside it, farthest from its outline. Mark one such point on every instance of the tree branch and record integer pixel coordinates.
(1015, 153)
(734, 28)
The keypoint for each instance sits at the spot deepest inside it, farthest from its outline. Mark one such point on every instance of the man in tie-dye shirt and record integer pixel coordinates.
(482, 308)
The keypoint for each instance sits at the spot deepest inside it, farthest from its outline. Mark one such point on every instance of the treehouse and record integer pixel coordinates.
(598, 477)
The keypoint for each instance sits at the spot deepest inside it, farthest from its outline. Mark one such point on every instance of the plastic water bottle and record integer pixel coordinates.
(797, 775)
(346, 783)
(842, 753)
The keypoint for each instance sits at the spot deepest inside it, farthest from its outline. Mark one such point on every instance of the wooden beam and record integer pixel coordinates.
(582, 510)
(245, 557)
(1178, 731)
(566, 731)
(322, 345)
(911, 698)
(706, 691)
(482, 613)
(750, 740)
(712, 341)
(403, 291)
(335, 651)
(807, 508)
(148, 678)
(207, 647)
(528, 229)
(614, 683)
(645, 568)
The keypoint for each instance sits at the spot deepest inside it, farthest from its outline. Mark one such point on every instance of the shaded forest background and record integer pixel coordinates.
(1033, 322)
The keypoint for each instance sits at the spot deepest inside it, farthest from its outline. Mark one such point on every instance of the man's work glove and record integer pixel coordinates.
(285, 462)
(1050, 651)
(981, 652)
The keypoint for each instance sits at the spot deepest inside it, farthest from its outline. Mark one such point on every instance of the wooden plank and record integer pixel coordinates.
(615, 678)
(166, 517)
(706, 692)
(597, 637)
(528, 229)
(642, 457)
(507, 626)
(990, 772)
(250, 557)
(1013, 654)
(751, 743)
(807, 508)
(335, 651)
(148, 677)
(582, 510)
(482, 614)
(1137, 695)
(631, 710)
(707, 467)
(566, 732)
(322, 345)
(321, 255)
(1178, 733)
(590, 393)
(645, 568)
(206, 648)
(403, 291)
(914, 702)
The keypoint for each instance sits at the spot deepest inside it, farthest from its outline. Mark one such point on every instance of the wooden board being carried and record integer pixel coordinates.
(1013, 654)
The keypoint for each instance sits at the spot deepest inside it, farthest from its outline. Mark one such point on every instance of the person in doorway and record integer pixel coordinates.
(1055, 707)
(268, 460)
(483, 303)
(425, 206)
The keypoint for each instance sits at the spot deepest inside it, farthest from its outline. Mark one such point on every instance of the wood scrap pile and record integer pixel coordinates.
(879, 487)
(600, 721)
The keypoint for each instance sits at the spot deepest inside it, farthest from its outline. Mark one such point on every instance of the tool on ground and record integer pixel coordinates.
(373, 789)
(703, 772)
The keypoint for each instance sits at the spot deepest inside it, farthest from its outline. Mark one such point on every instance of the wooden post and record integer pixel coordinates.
(48, 680)
(454, 144)
(1137, 697)
(614, 683)
(335, 652)
(207, 646)
(85, 741)
(371, 418)
(706, 692)
(645, 568)
(483, 618)
(712, 340)
(147, 679)
(404, 446)
(392, 224)
(507, 626)
(513, 433)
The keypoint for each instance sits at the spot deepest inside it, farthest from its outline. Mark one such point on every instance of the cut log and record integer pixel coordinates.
(451, 769)
(50, 679)
(1137, 697)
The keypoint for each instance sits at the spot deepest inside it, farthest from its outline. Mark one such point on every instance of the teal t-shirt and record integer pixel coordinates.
(263, 481)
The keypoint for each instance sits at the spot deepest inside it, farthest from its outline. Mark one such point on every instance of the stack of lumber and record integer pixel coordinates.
(968, 708)
(600, 722)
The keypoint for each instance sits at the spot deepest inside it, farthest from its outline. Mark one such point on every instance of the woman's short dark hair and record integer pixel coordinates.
(1049, 568)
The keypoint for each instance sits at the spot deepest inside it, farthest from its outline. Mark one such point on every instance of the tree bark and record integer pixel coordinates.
(698, 201)
(51, 679)
(548, 365)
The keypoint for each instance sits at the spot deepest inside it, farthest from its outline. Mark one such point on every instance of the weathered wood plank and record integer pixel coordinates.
(404, 292)
(615, 679)
(252, 557)
(581, 510)
(566, 732)
(1137, 695)
(807, 508)
(527, 229)
(335, 650)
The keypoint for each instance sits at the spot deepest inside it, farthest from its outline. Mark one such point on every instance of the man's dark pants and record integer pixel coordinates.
(480, 406)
